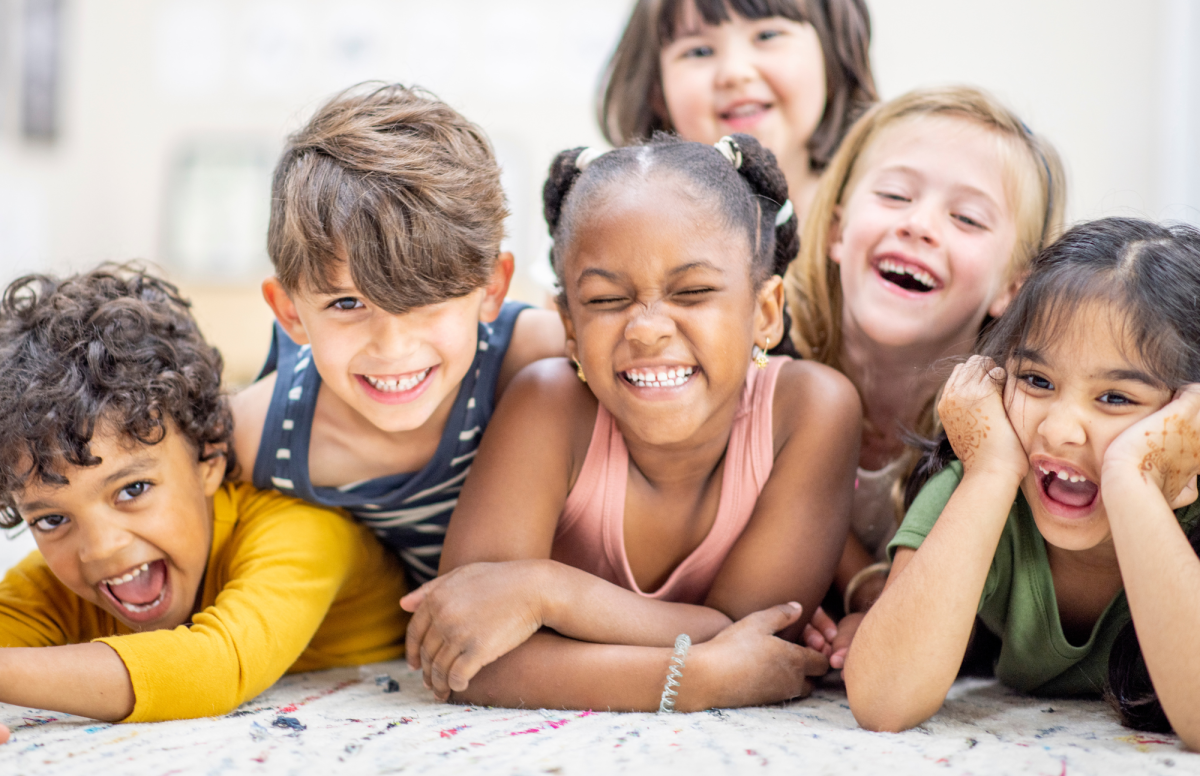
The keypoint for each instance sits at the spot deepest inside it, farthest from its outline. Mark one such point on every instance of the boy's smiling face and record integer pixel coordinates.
(131, 534)
(394, 370)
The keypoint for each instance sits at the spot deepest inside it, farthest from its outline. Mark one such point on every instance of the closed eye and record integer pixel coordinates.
(892, 196)
(968, 221)
(769, 34)
(698, 51)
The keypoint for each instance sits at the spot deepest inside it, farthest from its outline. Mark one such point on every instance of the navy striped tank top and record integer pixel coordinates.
(408, 511)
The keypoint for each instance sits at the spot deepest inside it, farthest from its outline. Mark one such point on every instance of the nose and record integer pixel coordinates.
(649, 327)
(735, 65)
(391, 336)
(921, 222)
(1063, 426)
(101, 538)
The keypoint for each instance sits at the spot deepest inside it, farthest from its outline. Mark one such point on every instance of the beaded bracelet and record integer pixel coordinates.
(683, 643)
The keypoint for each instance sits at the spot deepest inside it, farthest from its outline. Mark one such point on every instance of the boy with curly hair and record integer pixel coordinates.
(160, 589)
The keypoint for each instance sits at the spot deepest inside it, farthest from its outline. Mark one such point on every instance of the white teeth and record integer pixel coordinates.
(659, 378)
(922, 277)
(144, 607)
(126, 577)
(398, 386)
(1062, 475)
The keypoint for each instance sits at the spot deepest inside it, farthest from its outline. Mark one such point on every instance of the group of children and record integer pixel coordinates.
(692, 487)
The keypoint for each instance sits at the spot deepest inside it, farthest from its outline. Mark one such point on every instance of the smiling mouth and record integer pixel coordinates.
(1066, 486)
(907, 276)
(745, 110)
(659, 377)
(140, 589)
(398, 384)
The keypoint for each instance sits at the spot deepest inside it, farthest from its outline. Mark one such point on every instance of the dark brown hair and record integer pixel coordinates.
(399, 185)
(115, 346)
(1149, 276)
(630, 103)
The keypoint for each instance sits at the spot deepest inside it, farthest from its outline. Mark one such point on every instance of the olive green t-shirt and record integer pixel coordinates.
(1018, 602)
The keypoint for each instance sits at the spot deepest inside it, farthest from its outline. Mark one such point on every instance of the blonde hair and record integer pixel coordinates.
(1037, 191)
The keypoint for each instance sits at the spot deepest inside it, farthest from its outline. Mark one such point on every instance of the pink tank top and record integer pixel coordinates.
(591, 532)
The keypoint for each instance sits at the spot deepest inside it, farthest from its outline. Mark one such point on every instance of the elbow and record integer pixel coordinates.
(879, 707)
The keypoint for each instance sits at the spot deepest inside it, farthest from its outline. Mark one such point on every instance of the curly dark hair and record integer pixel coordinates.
(115, 345)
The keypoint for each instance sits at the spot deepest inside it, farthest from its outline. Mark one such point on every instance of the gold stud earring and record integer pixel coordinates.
(579, 370)
(760, 355)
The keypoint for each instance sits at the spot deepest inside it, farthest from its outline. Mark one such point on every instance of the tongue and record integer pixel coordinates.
(1075, 494)
(143, 588)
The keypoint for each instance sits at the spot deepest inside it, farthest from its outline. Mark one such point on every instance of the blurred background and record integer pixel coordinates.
(148, 128)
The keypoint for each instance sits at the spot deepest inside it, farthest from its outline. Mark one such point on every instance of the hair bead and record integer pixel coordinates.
(587, 156)
(730, 149)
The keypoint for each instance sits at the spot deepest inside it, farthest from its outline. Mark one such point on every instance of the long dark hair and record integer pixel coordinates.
(1149, 274)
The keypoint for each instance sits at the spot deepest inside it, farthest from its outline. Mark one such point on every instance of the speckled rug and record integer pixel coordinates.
(378, 719)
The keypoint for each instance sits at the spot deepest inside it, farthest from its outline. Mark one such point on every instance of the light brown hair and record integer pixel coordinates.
(630, 103)
(399, 185)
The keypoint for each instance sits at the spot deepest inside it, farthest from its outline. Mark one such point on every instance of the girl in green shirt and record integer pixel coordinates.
(1065, 520)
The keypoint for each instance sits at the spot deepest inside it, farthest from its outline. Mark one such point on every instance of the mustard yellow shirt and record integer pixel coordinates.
(289, 587)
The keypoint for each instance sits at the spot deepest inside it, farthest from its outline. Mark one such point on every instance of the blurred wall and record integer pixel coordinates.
(170, 113)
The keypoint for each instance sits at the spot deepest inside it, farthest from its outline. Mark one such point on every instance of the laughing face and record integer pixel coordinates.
(1068, 400)
(926, 234)
(130, 535)
(662, 311)
(393, 371)
(764, 77)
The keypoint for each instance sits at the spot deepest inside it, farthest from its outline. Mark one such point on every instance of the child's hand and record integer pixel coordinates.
(469, 618)
(746, 665)
(1164, 448)
(972, 412)
(832, 639)
(4, 734)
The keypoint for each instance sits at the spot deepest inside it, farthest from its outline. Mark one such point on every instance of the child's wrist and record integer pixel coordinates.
(694, 694)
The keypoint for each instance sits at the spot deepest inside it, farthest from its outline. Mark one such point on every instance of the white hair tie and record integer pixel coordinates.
(587, 156)
(785, 212)
(730, 150)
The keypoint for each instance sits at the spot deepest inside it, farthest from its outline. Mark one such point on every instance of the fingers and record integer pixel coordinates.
(1186, 496)
(776, 618)
(418, 625)
(838, 659)
(4, 734)
(813, 638)
(430, 647)
(413, 601)
(825, 624)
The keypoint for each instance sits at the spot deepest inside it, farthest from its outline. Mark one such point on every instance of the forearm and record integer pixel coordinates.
(88, 680)
(907, 651)
(1161, 574)
(584, 607)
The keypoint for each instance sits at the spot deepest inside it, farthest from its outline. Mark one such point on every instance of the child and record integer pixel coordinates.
(393, 340)
(673, 480)
(1077, 432)
(159, 590)
(922, 230)
(792, 73)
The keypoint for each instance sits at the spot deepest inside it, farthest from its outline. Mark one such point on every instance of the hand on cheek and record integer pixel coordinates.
(1163, 448)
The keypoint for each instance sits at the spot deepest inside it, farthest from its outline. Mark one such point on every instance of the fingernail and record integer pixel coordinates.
(794, 605)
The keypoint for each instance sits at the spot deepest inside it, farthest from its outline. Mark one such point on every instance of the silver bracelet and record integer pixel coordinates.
(683, 642)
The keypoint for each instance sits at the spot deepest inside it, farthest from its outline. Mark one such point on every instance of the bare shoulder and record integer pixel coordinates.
(250, 406)
(811, 396)
(536, 334)
(547, 399)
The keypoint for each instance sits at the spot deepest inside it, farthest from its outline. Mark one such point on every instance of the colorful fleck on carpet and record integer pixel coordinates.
(379, 719)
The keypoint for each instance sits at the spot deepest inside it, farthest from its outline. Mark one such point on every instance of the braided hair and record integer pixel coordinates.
(746, 186)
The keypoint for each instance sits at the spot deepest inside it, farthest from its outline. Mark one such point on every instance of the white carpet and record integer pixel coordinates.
(345, 721)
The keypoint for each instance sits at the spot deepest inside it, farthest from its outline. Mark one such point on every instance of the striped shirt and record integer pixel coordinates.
(408, 511)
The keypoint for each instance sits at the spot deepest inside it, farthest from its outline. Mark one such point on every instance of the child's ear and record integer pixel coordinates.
(497, 287)
(212, 469)
(1003, 299)
(835, 235)
(768, 313)
(572, 345)
(285, 310)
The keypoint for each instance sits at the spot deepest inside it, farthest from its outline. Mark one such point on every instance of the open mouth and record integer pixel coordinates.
(745, 111)
(140, 590)
(1066, 486)
(659, 377)
(910, 277)
(397, 384)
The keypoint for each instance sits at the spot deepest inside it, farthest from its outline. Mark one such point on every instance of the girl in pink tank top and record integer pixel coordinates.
(669, 478)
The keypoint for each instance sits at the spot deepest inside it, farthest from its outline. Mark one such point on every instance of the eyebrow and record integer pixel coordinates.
(1135, 375)
(680, 270)
(1030, 355)
(133, 468)
(904, 168)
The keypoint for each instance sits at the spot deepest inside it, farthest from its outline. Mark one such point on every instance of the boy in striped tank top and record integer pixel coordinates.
(392, 341)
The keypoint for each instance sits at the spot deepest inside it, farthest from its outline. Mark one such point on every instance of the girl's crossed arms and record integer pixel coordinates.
(677, 489)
